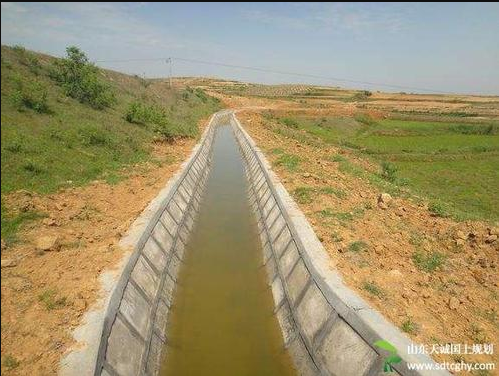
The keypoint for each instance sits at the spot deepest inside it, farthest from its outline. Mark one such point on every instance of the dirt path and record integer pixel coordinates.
(46, 291)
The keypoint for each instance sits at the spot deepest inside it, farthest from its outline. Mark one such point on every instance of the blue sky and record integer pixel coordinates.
(452, 47)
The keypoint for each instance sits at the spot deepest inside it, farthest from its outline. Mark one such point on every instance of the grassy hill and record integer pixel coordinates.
(65, 122)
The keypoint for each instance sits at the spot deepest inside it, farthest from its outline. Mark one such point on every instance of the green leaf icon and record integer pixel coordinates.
(385, 345)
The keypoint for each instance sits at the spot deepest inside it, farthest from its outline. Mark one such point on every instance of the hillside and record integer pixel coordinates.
(76, 171)
(65, 143)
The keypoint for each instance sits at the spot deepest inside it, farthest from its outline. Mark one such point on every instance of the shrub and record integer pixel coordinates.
(141, 113)
(30, 94)
(167, 124)
(388, 171)
(80, 80)
(362, 95)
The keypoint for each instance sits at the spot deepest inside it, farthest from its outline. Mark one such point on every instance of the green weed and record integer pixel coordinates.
(428, 262)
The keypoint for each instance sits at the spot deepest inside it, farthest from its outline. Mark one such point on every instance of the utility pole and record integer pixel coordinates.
(170, 75)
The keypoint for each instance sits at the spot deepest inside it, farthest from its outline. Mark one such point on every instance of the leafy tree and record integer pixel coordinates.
(80, 79)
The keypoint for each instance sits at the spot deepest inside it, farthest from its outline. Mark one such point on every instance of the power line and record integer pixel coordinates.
(287, 73)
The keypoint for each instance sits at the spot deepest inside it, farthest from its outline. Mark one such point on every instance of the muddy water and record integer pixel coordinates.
(222, 321)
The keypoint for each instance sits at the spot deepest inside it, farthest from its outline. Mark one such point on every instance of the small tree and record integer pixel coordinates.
(80, 79)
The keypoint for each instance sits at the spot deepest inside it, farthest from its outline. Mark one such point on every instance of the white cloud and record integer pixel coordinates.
(333, 17)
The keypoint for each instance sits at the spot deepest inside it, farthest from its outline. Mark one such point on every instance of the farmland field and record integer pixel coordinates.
(455, 163)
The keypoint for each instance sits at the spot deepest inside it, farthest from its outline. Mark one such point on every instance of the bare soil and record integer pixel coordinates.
(46, 293)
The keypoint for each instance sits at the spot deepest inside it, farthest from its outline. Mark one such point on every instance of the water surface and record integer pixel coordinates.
(222, 320)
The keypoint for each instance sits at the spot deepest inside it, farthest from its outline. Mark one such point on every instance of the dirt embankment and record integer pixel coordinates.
(436, 279)
(373, 245)
(50, 277)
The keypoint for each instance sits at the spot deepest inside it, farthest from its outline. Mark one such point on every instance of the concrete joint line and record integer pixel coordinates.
(285, 248)
(166, 228)
(151, 264)
(140, 290)
(284, 226)
(295, 265)
(110, 369)
(303, 292)
(324, 330)
(130, 327)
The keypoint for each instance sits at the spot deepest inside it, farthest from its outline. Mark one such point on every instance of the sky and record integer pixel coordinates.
(441, 47)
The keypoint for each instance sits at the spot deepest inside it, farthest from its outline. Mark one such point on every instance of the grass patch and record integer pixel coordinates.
(288, 161)
(51, 300)
(289, 122)
(438, 209)
(336, 237)
(12, 222)
(357, 246)
(372, 288)
(338, 158)
(340, 193)
(10, 362)
(388, 171)
(303, 195)
(365, 119)
(409, 326)
(428, 262)
(29, 95)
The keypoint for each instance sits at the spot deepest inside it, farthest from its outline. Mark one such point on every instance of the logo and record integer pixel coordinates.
(393, 358)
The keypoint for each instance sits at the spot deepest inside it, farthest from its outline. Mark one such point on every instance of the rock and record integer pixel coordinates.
(453, 303)
(494, 231)
(384, 200)
(49, 221)
(482, 261)
(307, 175)
(400, 212)
(426, 294)
(395, 273)
(460, 242)
(460, 235)
(479, 276)
(378, 249)
(382, 205)
(491, 239)
(48, 243)
(8, 263)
